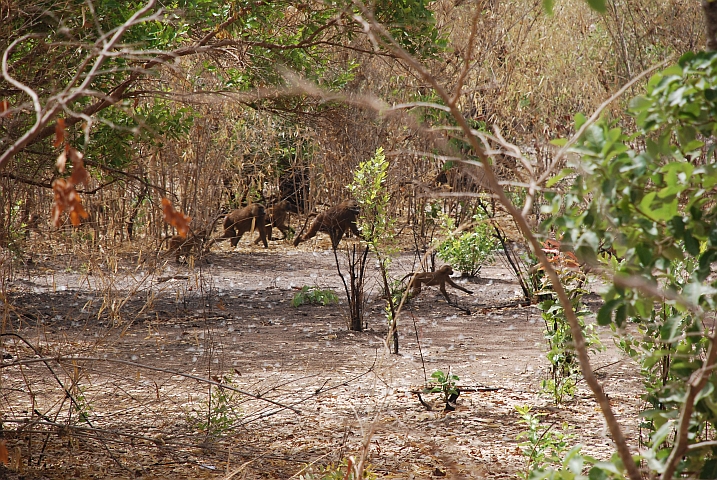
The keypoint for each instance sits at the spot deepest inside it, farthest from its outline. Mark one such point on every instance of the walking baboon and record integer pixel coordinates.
(199, 241)
(334, 221)
(439, 277)
(243, 220)
(278, 216)
(185, 246)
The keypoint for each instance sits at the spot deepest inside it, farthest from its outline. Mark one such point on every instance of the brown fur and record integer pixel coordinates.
(196, 245)
(243, 220)
(438, 278)
(278, 216)
(335, 221)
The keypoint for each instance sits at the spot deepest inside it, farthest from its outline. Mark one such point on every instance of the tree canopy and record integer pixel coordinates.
(75, 60)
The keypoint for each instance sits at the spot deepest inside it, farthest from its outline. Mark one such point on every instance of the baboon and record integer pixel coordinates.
(278, 216)
(243, 220)
(184, 246)
(335, 221)
(198, 242)
(439, 277)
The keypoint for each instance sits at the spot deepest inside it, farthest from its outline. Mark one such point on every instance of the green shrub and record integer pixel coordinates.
(219, 415)
(542, 444)
(314, 296)
(468, 251)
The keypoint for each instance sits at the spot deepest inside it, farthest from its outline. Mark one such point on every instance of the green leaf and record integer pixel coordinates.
(705, 393)
(639, 103)
(646, 202)
(597, 5)
(644, 253)
(709, 469)
(597, 473)
(580, 120)
(692, 245)
(604, 315)
(670, 330)
(661, 434)
(548, 6)
(563, 173)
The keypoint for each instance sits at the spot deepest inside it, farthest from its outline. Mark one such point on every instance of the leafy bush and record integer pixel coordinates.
(445, 384)
(219, 415)
(468, 251)
(377, 224)
(541, 443)
(314, 296)
(644, 194)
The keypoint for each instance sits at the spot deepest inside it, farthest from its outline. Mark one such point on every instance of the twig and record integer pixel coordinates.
(73, 358)
(420, 351)
(593, 118)
(696, 383)
(378, 33)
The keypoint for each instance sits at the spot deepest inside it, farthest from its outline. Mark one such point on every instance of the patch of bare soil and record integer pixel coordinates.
(106, 365)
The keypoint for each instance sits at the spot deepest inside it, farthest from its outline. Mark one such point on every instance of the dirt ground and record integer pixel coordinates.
(106, 362)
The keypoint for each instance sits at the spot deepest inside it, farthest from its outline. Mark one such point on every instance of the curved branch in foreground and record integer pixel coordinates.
(43, 128)
(379, 34)
(73, 358)
(70, 92)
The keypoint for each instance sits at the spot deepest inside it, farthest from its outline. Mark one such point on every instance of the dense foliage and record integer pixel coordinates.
(647, 196)
(79, 59)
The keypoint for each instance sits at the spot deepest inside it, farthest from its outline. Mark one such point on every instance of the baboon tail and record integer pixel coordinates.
(297, 239)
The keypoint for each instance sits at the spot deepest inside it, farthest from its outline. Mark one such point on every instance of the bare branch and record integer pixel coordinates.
(377, 31)
(593, 118)
(73, 358)
(70, 92)
(403, 106)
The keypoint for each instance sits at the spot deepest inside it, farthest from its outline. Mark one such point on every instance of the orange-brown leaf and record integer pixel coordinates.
(61, 161)
(67, 198)
(79, 173)
(59, 188)
(59, 132)
(4, 106)
(3, 452)
(177, 219)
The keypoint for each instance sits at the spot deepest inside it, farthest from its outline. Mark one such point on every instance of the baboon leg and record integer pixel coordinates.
(307, 236)
(355, 230)
(445, 293)
(454, 285)
(336, 235)
(262, 234)
(231, 233)
(235, 239)
(268, 235)
(301, 238)
(284, 231)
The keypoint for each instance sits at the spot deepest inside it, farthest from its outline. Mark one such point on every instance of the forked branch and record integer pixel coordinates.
(380, 35)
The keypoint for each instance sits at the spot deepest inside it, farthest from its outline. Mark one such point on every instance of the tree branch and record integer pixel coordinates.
(69, 93)
(371, 27)
(697, 382)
